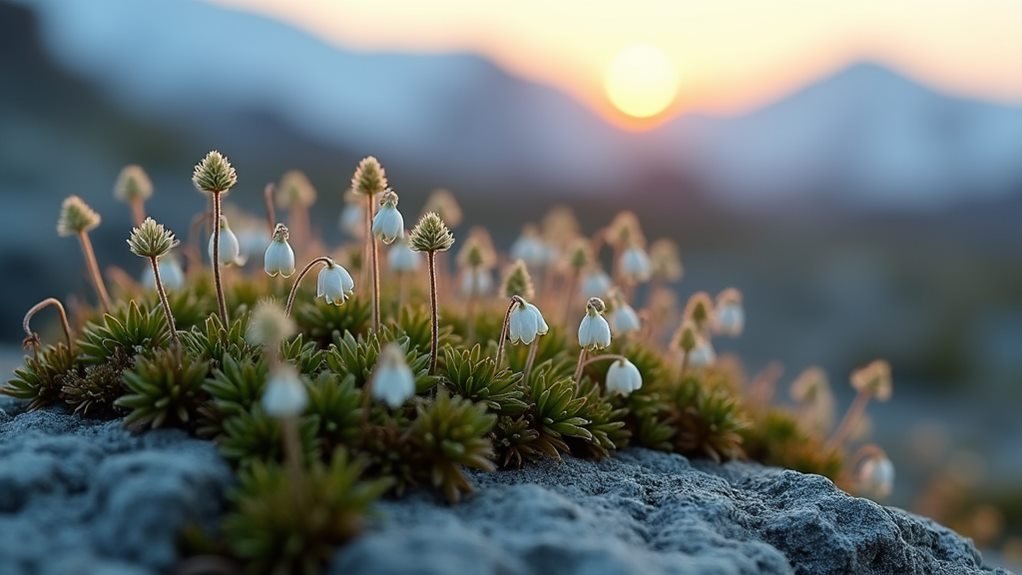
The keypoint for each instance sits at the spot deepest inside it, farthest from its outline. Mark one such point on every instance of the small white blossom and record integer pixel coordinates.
(624, 319)
(334, 284)
(594, 331)
(635, 265)
(171, 273)
(729, 316)
(230, 251)
(526, 323)
(393, 381)
(402, 259)
(876, 476)
(476, 282)
(623, 377)
(252, 240)
(388, 224)
(279, 257)
(703, 354)
(285, 394)
(352, 220)
(596, 283)
(529, 248)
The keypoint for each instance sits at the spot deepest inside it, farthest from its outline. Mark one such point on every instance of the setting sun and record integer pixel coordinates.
(641, 81)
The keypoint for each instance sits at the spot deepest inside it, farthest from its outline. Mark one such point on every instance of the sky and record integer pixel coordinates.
(726, 55)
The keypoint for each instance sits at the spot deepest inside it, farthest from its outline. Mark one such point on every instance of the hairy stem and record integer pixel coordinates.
(374, 254)
(533, 348)
(431, 265)
(293, 453)
(578, 366)
(515, 300)
(97, 278)
(603, 357)
(271, 213)
(221, 301)
(137, 211)
(50, 301)
(164, 301)
(298, 280)
(470, 315)
(852, 416)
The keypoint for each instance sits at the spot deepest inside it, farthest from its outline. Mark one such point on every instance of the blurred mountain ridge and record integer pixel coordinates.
(862, 137)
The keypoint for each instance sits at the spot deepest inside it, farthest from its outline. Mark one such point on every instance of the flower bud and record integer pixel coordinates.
(518, 282)
(431, 235)
(874, 379)
(443, 202)
(133, 185)
(76, 217)
(214, 174)
(151, 240)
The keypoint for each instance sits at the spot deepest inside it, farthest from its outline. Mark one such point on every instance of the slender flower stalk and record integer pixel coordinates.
(296, 194)
(871, 381)
(515, 302)
(152, 241)
(332, 291)
(214, 175)
(32, 338)
(369, 180)
(271, 211)
(133, 187)
(77, 219)
(431, 235)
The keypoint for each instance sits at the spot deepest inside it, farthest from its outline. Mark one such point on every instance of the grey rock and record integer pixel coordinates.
(648, 513)
(79, 496)
(86, 496)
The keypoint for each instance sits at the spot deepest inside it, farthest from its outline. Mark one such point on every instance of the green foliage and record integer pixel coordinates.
(448, 434)
(415, 324)
(552, 347)
(357, 356)
(322, 322)
(476, 378)
(304, 355)
(775, 437)
(606, 423)
(292, 524)
(41, 380)
(234, 388)
(337, 405)
(707, 422)
(212, 343)
(128, 330)
(93, 389)
(254, 437)
(165, 390)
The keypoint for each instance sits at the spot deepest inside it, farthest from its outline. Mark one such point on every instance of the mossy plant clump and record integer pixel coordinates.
(325, 397)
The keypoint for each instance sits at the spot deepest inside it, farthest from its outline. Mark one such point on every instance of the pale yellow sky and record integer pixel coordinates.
(729, 54)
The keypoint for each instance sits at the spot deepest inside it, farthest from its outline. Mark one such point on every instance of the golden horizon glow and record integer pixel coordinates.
(641, 81)
(737, 54)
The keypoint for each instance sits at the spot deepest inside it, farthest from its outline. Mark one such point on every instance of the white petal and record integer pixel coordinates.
(285, 395)
(279, 259)
(541, 326)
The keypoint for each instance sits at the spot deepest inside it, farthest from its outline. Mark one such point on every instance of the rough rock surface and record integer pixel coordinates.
(80, 496)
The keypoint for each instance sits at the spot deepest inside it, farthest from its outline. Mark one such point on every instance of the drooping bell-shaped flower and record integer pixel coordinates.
(285, 394)
(635, 265)
(402, 259)
(594, 331)
(729, 316)
(529, 248)
(623, 377)
(476, 282)
(624, 319)
(703, 354)
(393, 381)
(230, 250)
(875, 477)
(279, 257)
(334, 284)
(526, 323)
(388, 224)
(595, 283)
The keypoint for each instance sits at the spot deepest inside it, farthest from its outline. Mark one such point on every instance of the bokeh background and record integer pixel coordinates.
(855, 168)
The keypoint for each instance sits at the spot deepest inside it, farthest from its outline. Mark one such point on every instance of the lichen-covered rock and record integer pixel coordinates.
(85, 496)
(79, 496)
(648, 513)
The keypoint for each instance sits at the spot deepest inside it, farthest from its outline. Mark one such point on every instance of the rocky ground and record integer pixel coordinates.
(80, 496)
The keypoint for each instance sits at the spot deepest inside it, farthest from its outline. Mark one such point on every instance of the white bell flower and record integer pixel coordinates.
(476, 282)
(279, 257)
(624, 319)
(352, 221)
(393, 381)
(623, 377)
(230, 251)
(403, 259)
(703, 354)
(729, 316)
(876, 476)
(594, 331)
(526, 323)
(334, 284)
(595, 283)
(285, 394)
(529, 248)
(635, 265)
(388, 224)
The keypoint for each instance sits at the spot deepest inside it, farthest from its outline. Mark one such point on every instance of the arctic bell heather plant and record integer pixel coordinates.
(322, 407)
